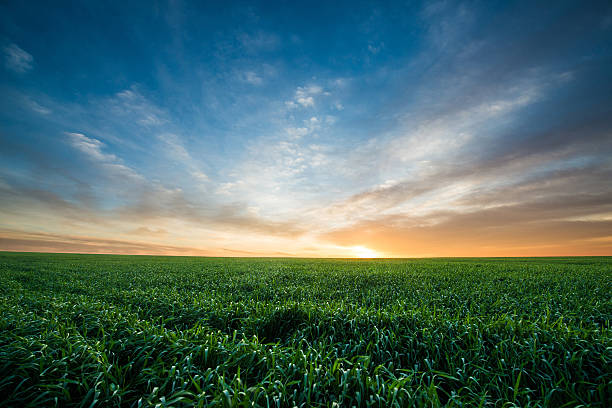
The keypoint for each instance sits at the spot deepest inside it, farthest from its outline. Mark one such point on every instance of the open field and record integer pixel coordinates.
(138, 331)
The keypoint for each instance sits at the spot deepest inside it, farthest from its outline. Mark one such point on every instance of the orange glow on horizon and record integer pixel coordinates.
(364, 252)
(372, 240)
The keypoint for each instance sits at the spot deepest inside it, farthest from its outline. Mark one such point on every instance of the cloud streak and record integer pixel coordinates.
(16, 59)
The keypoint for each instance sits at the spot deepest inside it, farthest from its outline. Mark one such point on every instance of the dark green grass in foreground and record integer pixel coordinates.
(138, 331)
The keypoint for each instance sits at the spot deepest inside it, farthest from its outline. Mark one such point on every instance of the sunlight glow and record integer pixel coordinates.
(363, 252)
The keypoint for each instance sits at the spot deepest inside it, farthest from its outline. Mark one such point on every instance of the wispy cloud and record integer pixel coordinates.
(375, 48)
(251, 78)
(92, 149)
(259, 41)
(133, 104)
(37, 107)
(176, 151)
(17, 59)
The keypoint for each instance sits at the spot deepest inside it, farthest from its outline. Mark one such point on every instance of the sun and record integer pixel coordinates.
(363, 252)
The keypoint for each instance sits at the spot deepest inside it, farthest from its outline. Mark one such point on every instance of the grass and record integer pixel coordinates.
(101, 330)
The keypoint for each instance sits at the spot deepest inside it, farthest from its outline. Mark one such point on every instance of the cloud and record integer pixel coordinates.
(128, 205)
(251, 78)
(296, 133)
(305, 96)
(375, 49)
(147, 231)
(472, 235)
(130, 103)
(136, 199)
(111, 164)
(451, 130)
(305, 101)
(45, 242)
(90, 147)
(13, 240)
(17, 59)
(341, 82)
(175, 149)
(559, 212)
(200, 176)
(36, 107)
(308, 90)
(546, 189)
(158, 203)
(259, 41)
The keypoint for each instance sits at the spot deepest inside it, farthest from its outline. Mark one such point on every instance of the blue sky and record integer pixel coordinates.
(308, 129)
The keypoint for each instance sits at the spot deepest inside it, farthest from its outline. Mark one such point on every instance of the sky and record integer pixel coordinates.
(311, 129)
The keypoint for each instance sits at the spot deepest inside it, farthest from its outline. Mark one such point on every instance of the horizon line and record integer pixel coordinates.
(304, 257)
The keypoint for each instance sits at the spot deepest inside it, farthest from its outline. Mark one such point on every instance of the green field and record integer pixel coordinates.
(83, 330)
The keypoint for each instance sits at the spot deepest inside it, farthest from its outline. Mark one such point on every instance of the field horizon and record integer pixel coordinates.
(560, 257)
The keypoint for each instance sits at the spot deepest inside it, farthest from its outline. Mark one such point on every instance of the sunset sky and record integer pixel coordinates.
(348, 129)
